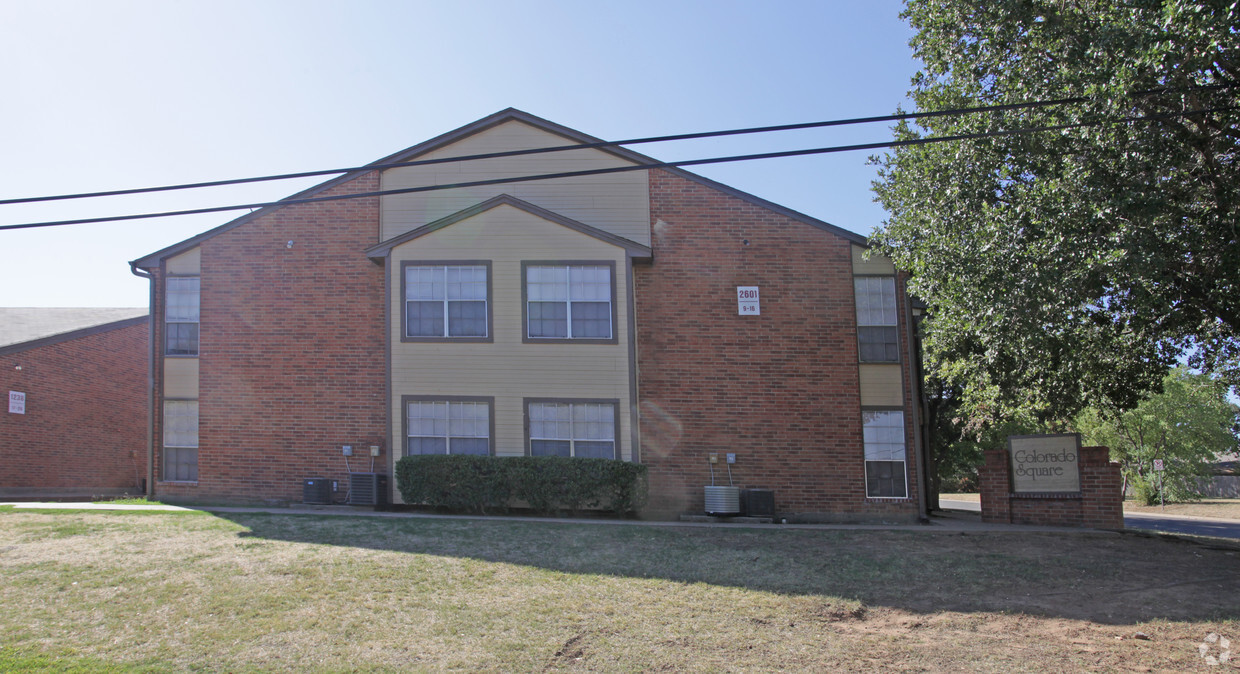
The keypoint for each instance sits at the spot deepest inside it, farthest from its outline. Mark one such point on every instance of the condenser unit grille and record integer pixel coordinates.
(316, 490)
(367, 489)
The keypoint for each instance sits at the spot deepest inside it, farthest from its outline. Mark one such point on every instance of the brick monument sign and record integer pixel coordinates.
(1052, 480)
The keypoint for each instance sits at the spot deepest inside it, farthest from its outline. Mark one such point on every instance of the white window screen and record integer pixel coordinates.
(876, 300)
(589, 284)
(551, 421)
(180, 423)
(547, 284)
(884, 436)
(183, 303)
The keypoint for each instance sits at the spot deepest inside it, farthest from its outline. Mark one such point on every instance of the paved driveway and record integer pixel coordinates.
(1177, 524)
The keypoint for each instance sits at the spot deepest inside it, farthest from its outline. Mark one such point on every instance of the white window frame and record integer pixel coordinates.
(578, 430)
(572, 286)
(185, 312)
(180, 427)
(879, 445)
(444, 269)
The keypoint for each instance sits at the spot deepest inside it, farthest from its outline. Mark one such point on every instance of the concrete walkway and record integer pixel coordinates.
(944, 522)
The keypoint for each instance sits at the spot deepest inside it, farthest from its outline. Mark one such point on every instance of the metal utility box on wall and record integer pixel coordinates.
(316, 490)
(368, 489)
(758, 502)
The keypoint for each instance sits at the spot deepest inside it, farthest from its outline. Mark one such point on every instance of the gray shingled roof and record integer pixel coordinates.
(25, 324)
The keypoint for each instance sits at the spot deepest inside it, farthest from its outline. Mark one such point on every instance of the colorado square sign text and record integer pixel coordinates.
(1045, 463)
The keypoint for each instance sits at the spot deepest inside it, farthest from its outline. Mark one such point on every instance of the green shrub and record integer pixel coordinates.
(1146, 489)
(456, 482)
(1145, 492)
(546, 483)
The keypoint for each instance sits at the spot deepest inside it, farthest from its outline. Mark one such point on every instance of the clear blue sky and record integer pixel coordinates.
(110, 95)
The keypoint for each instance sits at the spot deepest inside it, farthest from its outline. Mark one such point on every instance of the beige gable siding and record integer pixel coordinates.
(618, 203)
(877, 264)
(881, 386)
(181, 378)
(187, 263)
(506, 368)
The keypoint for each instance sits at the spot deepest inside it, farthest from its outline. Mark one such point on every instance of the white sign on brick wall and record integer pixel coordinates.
(1045, 463)
(747, 301)
(17, 402)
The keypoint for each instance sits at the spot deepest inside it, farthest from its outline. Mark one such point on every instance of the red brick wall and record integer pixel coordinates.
(1100, 505)
(85, 420)
(292, 358)
(780, 389)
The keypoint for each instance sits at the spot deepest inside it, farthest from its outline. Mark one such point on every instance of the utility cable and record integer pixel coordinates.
(596, 145)
(620, 169)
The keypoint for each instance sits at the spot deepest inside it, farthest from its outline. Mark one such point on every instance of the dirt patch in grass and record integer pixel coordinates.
(301, 592)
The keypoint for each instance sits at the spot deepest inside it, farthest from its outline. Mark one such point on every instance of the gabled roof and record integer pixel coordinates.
(635, 250)
(23, 328)
(507, 115)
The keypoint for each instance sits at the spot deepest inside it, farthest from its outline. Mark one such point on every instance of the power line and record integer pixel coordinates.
(618, 169)
(597, 145)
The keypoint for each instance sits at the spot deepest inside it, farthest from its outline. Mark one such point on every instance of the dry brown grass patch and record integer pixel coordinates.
(297, 592)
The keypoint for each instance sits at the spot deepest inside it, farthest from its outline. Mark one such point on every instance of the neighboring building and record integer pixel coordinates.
(588, 315)
(76, 419)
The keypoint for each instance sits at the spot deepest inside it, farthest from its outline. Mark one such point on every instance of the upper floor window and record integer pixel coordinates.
(181, 316)
(567, 301)
(877, 335)
(446, 301)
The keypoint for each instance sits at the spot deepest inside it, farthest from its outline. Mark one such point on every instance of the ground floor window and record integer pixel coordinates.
(448, 427)
(180, 441)
(581, 429)
(885, 468)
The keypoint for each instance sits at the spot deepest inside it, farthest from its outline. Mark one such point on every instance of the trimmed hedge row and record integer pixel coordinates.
(547, 483)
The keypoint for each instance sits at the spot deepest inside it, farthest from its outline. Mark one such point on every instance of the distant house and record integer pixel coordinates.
(76, 381)
(636, 313)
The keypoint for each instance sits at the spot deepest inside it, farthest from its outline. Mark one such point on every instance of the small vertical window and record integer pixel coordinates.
(446, 301)
(448, 427)
(181, 316)
(180, 441)
(877, 335)
(573, 429)
(568, 302)
(885, 474)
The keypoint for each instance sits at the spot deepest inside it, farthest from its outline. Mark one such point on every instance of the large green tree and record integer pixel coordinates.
(1072, 266)
(1187, 426)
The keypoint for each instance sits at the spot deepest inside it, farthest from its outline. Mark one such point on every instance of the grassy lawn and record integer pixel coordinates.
(1225, 508)
(157, 591)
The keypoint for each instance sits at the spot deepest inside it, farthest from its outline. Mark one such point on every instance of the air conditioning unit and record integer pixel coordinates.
(316, 490)
(723, 500)
(368, 489)
(758, 502)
